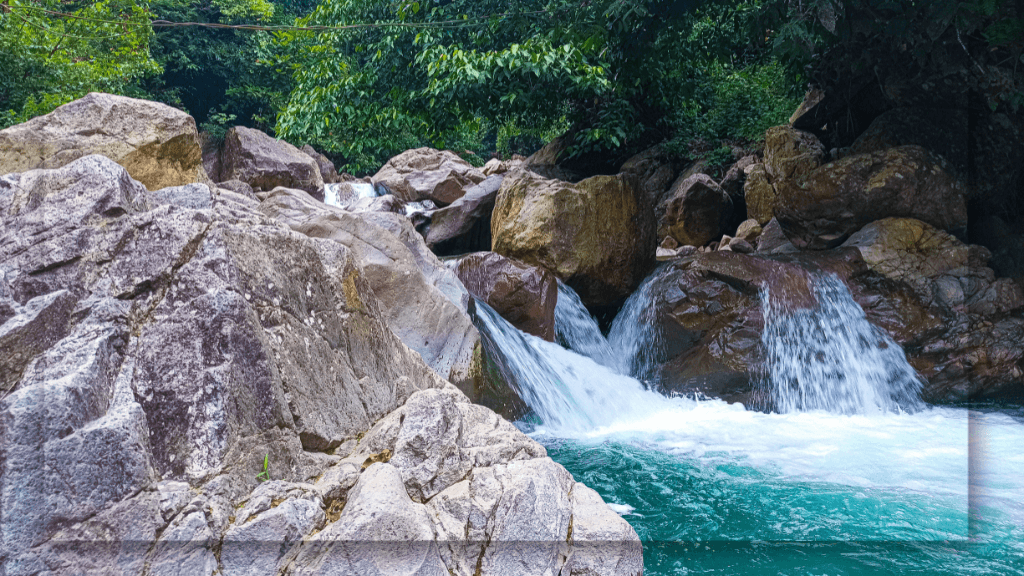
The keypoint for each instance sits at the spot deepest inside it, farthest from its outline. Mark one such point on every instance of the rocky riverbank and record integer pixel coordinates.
(240, 380)
(208, 369)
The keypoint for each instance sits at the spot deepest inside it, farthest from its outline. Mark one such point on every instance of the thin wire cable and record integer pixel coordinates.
(447, 24)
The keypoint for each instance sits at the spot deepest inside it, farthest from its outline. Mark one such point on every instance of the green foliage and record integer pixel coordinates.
(217, 125)
(839, 41)
(719, 157)
(615, 69)
(735, 104)
(46, 60)
(210, 71)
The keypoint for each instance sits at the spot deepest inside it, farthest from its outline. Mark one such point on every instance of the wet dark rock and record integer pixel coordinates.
(522, 294)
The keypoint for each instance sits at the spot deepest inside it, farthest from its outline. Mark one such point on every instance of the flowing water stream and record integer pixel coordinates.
(851, 474)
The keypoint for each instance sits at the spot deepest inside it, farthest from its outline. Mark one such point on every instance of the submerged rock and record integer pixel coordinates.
(598, 235)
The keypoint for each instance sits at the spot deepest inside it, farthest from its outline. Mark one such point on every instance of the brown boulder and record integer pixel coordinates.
(698, 211)
(428, 174)
(823, 208)
(266, 163)
(942, 270)
(654, 170)
(759, 194)
(522, 294)
(709, 312)
(157, 144)
(736, 177)
(327, 170)
(790, 153)
(598, 235)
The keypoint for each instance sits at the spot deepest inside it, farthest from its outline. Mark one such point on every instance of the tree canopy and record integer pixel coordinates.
(486, 76)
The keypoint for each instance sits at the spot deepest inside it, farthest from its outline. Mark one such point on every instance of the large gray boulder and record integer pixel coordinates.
(428, 174)
(424, 302)
(157, 144)
(198, 352)
(266, 163)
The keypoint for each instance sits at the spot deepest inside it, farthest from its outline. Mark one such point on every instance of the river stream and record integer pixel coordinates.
(848, 473)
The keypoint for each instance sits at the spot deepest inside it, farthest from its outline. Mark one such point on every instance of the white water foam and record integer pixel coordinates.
(925, 452)
(343, 194)
(831, 358)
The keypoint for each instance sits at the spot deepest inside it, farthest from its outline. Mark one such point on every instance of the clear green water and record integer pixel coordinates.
(705, 515)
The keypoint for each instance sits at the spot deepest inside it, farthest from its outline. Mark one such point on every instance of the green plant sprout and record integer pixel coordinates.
(264, 476)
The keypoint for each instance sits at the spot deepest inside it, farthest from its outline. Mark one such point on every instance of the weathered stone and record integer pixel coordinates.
(30, 330)
(759, 194)
(930, 261)
(265, 534)
(327, 170)
(522, 294)
(381, 531)
(805, 117)
(822, 209)
(157, 144)
(735, 178)
(424, 302)
(603, 543)
(428, 174)
(749, 230)
(597, 235)
(790, 154)
(710, 313)
(238, 187)
(494, 166)
(698, 211)
(266, 163)
(654, 170)
(465, 225)
(193, 196)
(208, 349)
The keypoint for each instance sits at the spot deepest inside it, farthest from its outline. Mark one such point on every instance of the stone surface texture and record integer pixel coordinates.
(428, 174)
(698, 211)
(157, 144)
(598, 235)
(522, 294)
(207, 391)
(822, 208)
(265, 163)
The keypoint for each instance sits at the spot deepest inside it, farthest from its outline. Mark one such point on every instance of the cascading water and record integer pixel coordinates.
(345, 194)
(866, 481)
(831, 358)
(577, 330)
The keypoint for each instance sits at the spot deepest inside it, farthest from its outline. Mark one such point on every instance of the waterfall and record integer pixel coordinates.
(635, 334)
(577, 330)
(828, 358)
(831, 358)
(344, 194)
(568, 392)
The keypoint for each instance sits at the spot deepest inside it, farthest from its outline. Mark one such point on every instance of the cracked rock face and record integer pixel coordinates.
(173, 350)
